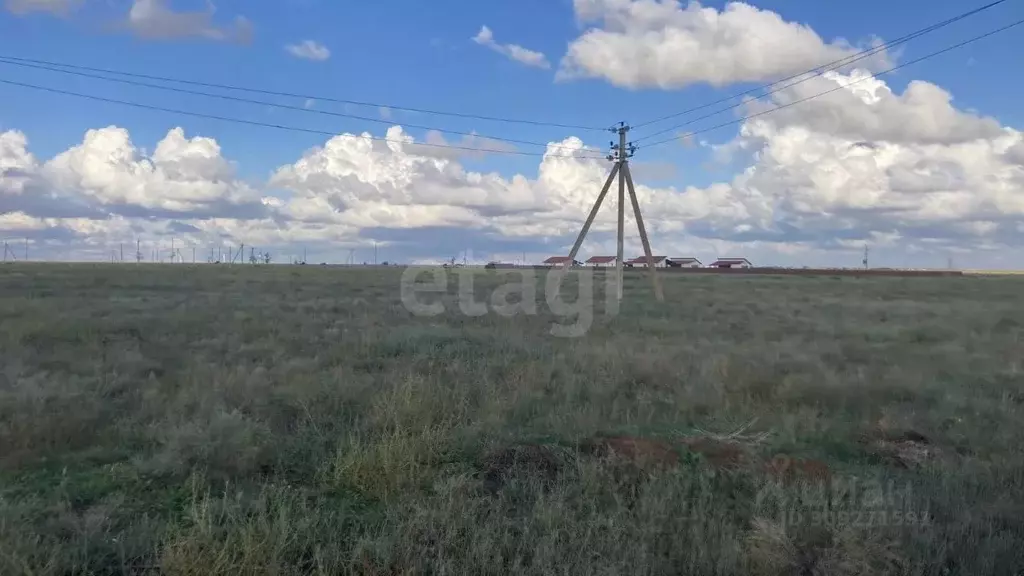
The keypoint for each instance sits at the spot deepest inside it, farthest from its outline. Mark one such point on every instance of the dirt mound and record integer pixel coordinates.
(644, 452)
(522, 461)
(720, 454)
(902, 448)
(788, 469)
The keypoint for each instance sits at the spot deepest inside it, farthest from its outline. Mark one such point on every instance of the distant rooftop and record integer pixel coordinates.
(728, 261)
(643, 259)
(557, 260)
(684, 261)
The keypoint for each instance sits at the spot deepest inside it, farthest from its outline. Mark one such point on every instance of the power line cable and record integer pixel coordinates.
(815, 72)
(278, 126)
(307, 96)
(842, 86)
(3, 60)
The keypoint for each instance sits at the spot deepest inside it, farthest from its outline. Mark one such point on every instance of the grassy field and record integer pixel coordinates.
(300, 420)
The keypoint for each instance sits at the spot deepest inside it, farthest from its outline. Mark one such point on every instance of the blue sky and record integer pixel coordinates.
(422, 55)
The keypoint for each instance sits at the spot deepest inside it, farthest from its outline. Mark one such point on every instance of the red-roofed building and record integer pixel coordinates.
(560, 261)
(731, 263)
(600, 260)
(684, 262)
(641, 262)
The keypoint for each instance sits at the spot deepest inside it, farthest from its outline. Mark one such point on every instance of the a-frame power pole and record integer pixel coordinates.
(621, 153)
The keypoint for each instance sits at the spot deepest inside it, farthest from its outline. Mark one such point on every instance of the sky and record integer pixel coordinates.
(923, 165)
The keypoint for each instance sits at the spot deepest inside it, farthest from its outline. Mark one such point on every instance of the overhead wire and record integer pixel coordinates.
(4, 60)
(809, 74)
(840, 87)
(280, 126)
(72, 69)
(323, 98)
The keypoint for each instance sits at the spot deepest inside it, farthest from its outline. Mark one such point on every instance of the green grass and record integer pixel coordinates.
(300, 420)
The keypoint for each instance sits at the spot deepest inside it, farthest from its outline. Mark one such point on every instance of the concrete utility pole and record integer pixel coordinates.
(622, 208)
(621, 153)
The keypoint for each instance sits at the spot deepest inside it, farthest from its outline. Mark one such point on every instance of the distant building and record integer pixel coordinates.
(560, 261)
(641, 262)
(600, 260)
(732, 263)
(685, 262)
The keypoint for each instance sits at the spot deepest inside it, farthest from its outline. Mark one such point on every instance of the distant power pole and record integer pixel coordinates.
(26, 249)
(866, 256)
(7, 249)
(375, 253)
(120, 245)
(138, 251)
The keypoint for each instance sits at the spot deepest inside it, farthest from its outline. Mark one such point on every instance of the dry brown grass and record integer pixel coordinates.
(298, 420)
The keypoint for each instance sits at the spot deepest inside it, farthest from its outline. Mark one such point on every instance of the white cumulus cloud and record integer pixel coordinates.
(665, 44)
(106, 174)
(813, 180)
(155, 20)
(873, 162)
(857, 106)
(485, 37)
(309, 50)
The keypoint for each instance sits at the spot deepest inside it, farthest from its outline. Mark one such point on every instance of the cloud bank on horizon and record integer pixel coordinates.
(832, 175)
